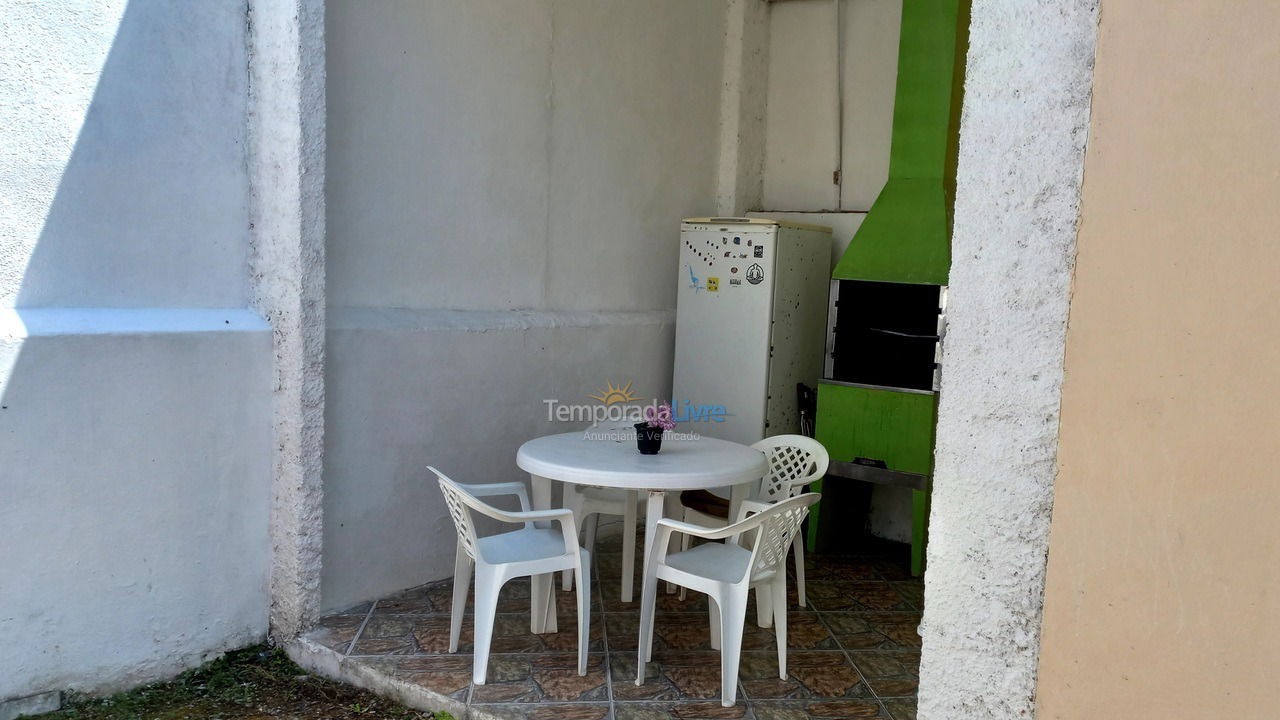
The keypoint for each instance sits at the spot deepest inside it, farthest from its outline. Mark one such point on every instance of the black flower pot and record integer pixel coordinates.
(648, 439)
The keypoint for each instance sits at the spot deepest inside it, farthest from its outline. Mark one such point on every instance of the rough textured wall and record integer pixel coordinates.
(122, 159)
(505, 189)
(1163, 595)
(287, 132)
(1022, 139)
(743, 98)
(134, 448)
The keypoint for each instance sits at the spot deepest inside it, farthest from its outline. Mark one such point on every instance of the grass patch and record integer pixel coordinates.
(256, 682)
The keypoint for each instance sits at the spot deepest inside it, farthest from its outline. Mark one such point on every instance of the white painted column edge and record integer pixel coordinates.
(286, 170)
(1024, 126)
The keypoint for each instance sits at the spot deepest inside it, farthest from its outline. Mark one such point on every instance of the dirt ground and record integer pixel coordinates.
(256, 682)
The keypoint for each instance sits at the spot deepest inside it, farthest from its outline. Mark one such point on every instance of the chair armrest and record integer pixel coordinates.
(504, 488)
(705, 533)
(751, 507)
(527, 516)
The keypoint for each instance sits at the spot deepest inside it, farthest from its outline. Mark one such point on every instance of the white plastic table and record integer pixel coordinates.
(607, 457)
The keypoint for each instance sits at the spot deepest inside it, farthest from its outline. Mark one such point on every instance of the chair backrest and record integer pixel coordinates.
(459, 502)
(794, 461)
(779, 524)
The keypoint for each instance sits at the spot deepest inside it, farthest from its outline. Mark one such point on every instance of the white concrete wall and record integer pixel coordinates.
(134, 386)
(134, 448)
(807, 137)
(122, 172)
(490, 158)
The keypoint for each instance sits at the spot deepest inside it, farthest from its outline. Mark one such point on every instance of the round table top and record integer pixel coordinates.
(607, 457)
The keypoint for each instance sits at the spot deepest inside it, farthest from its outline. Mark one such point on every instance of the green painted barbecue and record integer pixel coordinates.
(878, 401)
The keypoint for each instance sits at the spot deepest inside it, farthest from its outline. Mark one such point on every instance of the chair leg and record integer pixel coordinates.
(629, 545)
(487, 588)
(733, 615)
(779, 589)
(572, 501)
(461, 581)
(584, 610)
(542, 604)
(713, 611)
(684, 545)
(764, 606)
(798, 546)
(550, 618)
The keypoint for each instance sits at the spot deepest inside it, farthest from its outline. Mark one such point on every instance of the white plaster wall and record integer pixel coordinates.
(134, 458)
(135, 427)
(805, 138)
(1022, 137)
(505, 187)
(461, 391)
(122, 160)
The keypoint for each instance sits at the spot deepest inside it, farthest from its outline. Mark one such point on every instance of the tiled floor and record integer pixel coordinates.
(853, 653)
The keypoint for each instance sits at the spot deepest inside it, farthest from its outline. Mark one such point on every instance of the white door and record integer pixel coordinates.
(723, 311)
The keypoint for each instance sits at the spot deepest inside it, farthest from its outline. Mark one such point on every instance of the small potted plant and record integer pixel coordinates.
(649, 432)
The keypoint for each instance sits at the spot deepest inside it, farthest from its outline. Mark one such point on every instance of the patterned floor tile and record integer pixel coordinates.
(706, 710)
(875, 631)
(809, 675)
(890, 674)
(542, 678)
(664, 603)
(671, 631)
(816, 709)
(912, 591)
(838, 568)
(845, 596)
(544, 711)
(671, 676)
(446, 674)
(336, 631)
(901, 708)
(410, 634)
(865, 604)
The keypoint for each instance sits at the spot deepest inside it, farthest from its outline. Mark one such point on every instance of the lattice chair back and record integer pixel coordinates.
(457, 501)
(794, 462)
(778, 527)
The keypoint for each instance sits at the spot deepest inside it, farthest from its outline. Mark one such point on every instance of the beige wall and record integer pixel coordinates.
(1163, 596)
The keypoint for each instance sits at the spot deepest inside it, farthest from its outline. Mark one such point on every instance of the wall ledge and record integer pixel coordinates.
(18, 323)
(358, 318)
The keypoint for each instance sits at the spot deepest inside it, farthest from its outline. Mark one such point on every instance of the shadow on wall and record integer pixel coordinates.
(134, 419)
(151, 206)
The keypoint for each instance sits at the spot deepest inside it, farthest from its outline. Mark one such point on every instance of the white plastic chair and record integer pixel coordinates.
(795, 462)
(726, 572)
(588, 504)
(531, 551)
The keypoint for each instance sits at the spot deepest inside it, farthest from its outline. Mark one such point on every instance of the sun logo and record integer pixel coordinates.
(612, 395)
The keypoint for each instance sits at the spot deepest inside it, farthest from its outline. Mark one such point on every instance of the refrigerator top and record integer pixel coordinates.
(725, 221)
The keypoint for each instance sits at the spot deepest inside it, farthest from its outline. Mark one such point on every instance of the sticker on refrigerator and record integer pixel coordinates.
(713, 284)
(759, 249)
(755, 275)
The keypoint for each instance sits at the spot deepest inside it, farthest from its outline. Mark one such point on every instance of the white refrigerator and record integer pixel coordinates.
(750, 323)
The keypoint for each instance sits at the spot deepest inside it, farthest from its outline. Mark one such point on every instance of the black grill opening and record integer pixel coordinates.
(886, 334)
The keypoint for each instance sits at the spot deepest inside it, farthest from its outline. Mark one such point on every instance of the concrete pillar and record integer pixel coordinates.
(286, 168)
(1025, 120)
